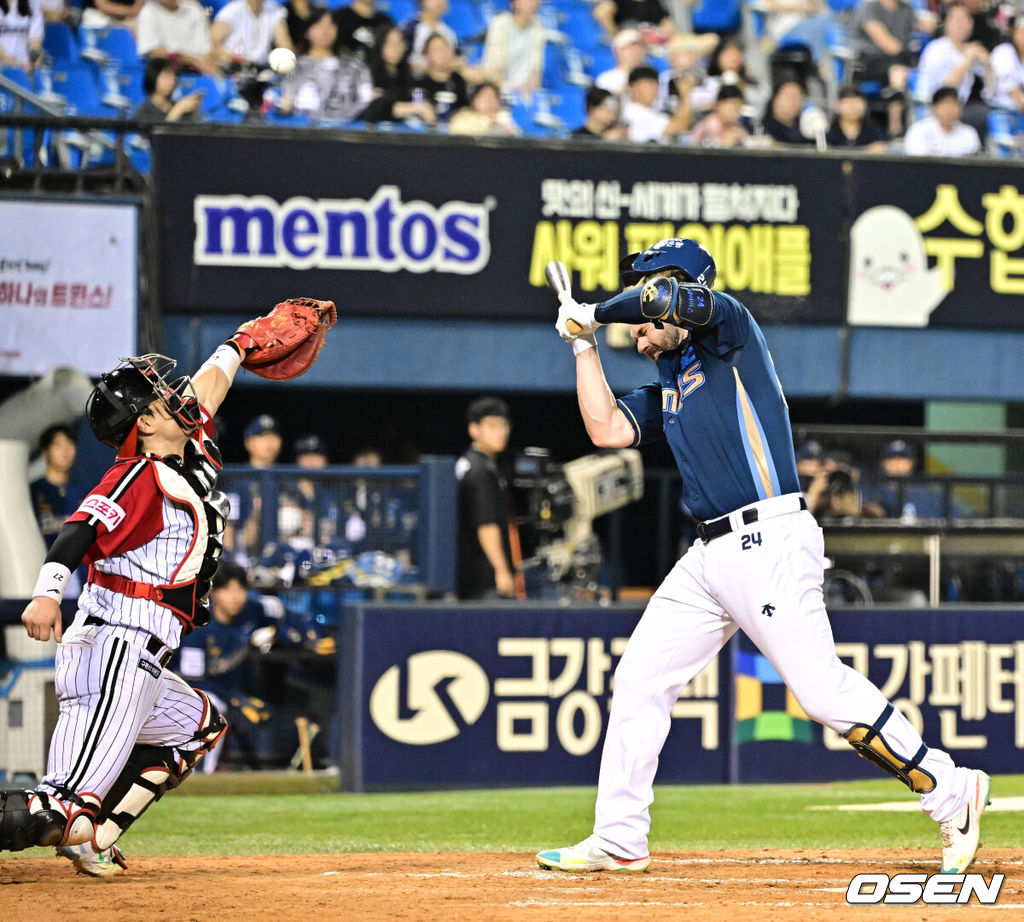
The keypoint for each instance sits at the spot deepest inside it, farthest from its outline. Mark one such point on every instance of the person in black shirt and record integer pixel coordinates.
(443, 86)
(782, 120)
(393, 81)
(55, 495)
(851, 127)
(359, 26)
(159, 80)
(617, 14)
(484, 548)
(602, 122)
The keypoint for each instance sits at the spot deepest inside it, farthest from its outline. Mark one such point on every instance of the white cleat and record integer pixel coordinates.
(961, 834)
(86, 860)
(589, 856)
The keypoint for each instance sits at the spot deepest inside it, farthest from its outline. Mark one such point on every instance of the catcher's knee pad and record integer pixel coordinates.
(30, 818)
(871, 745)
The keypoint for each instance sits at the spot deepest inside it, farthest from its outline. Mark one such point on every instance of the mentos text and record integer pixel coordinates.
(382, 233)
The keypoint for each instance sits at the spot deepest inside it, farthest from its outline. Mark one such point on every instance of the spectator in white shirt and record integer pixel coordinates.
(953, 60)
(629, 51)
(942, 134)
(244, 31)
(179, 30)
(643, 120)
(21, 34)
(514, 49)
(1008, 70)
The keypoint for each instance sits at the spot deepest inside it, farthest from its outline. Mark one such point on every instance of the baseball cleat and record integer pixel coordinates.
(589, 856)
(86, 860)
(961, 833)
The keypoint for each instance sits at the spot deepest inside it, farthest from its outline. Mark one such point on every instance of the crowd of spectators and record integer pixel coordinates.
(877, 73)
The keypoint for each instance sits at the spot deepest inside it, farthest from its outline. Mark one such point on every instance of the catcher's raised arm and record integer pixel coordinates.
(280, 345)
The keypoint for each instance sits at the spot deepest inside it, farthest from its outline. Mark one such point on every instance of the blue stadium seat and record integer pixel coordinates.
(216, 91)
(555, 68)
(129, 82)
(59, 42)
(569, 105)
(119, 45)
(9, 103)
(74, 84)
(465, 19)
(583, 30)
(599, 60)
(1005, 133)
(137, 148)
(717, 16)
(399, 10)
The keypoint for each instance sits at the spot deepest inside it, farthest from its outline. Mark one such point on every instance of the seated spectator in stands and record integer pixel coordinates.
(100, 14)
(1008, 71)
(315, 495)
(514, 49)
(811, 472)
(244, 535)
(851, 126)
(629, 51)
(324, 85)
(56, 495)
(393, 82)
(442, 84)
(21, 34)
(942, 134)
(985, 14)
(219, 659)
(602, 117)
(360, 26)
(953, 60)
(687, 76)
(643, 120)
(728, 64)
(886, 499)
(652, 16)
(722, 128)
(427, 22)
(244, 31)
(782, 120)
(299, 16)
(485, 115)
(880, 36)
(158, 82)
(180, 30)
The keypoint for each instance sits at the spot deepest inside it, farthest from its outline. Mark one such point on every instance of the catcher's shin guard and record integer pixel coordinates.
(871, 745)
(149, 773)
(30, 818)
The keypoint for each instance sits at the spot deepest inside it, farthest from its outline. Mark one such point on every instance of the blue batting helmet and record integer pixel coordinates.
(674, 253)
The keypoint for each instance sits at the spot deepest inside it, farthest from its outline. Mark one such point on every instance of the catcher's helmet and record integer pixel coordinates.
(123, 394)
(674, 253)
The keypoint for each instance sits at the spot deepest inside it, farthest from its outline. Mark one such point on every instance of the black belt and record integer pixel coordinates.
(153, 646)
(708, 531)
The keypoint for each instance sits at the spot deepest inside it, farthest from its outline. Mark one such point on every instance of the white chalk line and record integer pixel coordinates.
(1002, 804)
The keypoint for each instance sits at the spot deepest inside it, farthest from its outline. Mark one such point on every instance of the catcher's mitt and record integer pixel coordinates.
(285, 343)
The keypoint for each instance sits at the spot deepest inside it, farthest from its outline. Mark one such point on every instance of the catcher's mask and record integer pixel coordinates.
(681, 253)
(124, 394)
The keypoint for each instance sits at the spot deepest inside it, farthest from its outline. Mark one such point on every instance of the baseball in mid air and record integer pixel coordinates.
(282, 60)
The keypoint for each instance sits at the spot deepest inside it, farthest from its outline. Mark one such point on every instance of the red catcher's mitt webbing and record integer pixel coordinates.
(285, 343)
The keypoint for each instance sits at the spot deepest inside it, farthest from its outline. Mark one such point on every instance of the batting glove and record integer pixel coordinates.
(582, 314)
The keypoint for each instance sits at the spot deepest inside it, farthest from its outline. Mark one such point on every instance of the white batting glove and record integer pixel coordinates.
(582, 314)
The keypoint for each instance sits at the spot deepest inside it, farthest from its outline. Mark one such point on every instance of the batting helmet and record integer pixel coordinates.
(123, 394)
(674, 253)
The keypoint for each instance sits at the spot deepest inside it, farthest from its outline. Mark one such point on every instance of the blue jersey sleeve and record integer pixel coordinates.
(642, 407)
(730, 325)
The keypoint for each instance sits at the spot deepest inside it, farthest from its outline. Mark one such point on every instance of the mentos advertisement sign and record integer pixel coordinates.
(382, 233)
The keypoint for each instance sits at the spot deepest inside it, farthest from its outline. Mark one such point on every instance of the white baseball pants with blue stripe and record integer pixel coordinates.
(712, 590)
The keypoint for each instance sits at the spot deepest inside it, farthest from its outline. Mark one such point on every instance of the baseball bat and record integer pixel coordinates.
(302, 726)
(557, 276)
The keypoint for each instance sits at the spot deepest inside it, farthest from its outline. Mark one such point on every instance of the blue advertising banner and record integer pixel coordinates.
(501, 695)
(447, 696)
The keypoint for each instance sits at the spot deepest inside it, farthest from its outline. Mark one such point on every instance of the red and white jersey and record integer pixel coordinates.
(151, 528)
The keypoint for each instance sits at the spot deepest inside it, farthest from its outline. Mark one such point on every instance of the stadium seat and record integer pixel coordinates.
(465, 20)
(118, 44)
(599, 60)
(569, 105)
(72, 86)
(10, 103)
(216, 92)
(59, 42)
(399, 10)
(719, 16)
(583, 30)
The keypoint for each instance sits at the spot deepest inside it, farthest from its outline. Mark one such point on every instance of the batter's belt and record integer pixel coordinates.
(766, 509)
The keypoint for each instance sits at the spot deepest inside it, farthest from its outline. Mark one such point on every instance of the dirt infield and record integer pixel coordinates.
(720, 886)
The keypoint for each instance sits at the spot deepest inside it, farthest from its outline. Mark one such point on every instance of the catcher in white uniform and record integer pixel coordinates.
(757, 564)
(128, 730)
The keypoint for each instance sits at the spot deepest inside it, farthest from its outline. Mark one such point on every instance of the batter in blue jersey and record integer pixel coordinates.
(758, 564)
